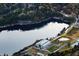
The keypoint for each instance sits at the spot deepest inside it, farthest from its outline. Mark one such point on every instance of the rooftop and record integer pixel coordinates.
(63, 39)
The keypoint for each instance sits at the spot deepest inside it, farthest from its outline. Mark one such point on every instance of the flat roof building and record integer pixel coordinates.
(43, 44)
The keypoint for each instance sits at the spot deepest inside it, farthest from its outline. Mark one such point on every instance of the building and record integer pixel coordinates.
(77, 24)
(43, 44)
(63, 39)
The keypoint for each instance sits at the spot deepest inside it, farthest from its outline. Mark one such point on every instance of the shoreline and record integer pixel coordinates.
(25, 48)
(32, 25)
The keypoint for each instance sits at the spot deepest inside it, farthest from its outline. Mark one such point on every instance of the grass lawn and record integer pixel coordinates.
(53, 48)
(65, 49)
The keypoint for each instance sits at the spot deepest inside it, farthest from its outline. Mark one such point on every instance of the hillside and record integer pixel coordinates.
(11, 13)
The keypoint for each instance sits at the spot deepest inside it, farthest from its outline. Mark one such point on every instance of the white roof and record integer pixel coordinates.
(47, 43)
(42, 42)
(63, 39)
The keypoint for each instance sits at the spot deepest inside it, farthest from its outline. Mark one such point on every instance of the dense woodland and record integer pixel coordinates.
(13, 12)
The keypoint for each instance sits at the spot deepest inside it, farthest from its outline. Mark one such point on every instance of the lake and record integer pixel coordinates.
(12, 41)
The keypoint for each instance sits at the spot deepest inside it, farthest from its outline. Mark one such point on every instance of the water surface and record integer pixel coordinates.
(12, 41)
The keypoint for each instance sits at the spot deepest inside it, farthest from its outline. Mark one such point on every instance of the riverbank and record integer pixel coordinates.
(27, 25)
(23, 51)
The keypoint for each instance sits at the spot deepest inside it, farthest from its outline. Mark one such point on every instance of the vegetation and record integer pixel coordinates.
(53, 48)
(12, 13)
(70, 52)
